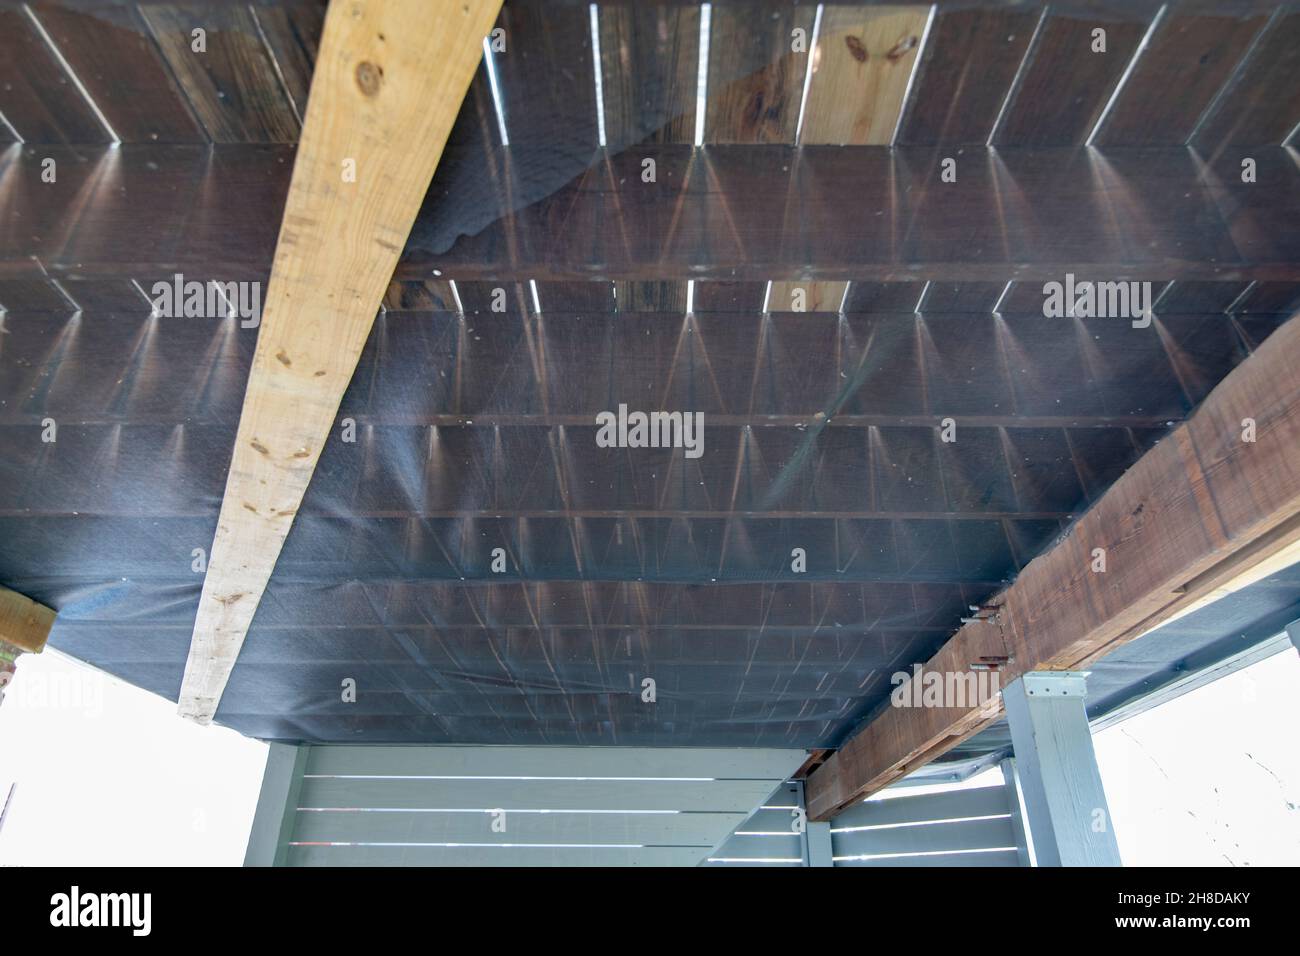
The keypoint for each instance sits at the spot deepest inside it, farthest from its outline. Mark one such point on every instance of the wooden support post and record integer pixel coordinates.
(1057, 768)
(388, 84)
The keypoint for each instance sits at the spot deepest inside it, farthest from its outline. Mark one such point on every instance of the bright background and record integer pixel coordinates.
(108, 774)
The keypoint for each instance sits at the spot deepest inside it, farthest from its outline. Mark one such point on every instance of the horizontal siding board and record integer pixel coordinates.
(953, 805)
(660, 829)
(926, 838)
(769, 821)
(758, 764)
(996, 858)
(492, 856)
(408, 794)
(715, 861)
(761, 848)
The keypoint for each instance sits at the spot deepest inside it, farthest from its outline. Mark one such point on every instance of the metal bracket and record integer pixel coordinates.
(984, 614)
(1056, 683)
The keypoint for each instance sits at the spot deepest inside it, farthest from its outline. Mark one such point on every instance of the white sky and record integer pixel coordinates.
(109, 775)
(1213, 777)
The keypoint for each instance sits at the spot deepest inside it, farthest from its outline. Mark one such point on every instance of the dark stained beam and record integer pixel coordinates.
(1187, 520)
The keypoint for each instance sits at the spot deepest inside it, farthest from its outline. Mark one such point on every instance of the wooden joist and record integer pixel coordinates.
(872, 213)
(1218, 496)
(23, 622)
(840, 213)
(388, 84)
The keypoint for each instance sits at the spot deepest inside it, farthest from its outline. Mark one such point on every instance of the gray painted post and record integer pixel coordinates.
(276, 805)
(1069, 820)
(817, 839)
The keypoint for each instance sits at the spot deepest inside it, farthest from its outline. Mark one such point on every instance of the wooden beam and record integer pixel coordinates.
(388, 84)
(1186, 521)
(23, 622)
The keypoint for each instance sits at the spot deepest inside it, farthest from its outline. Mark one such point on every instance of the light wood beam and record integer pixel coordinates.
(389, 81)
(1189, 520)
(23, 622)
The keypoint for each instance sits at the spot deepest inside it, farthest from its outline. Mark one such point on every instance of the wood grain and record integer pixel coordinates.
(1262, 104)
(387, 90)
(649, 58)
(431, 295)
(964, 75)
(545, 75)
(233, 85)
(817, 296)
(861, 67)
(650, 296)
(292, 33)
(119, 64)
(23, 622)
(756, 80)
(1193, 55)
(1065, 85)
(37, 97)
